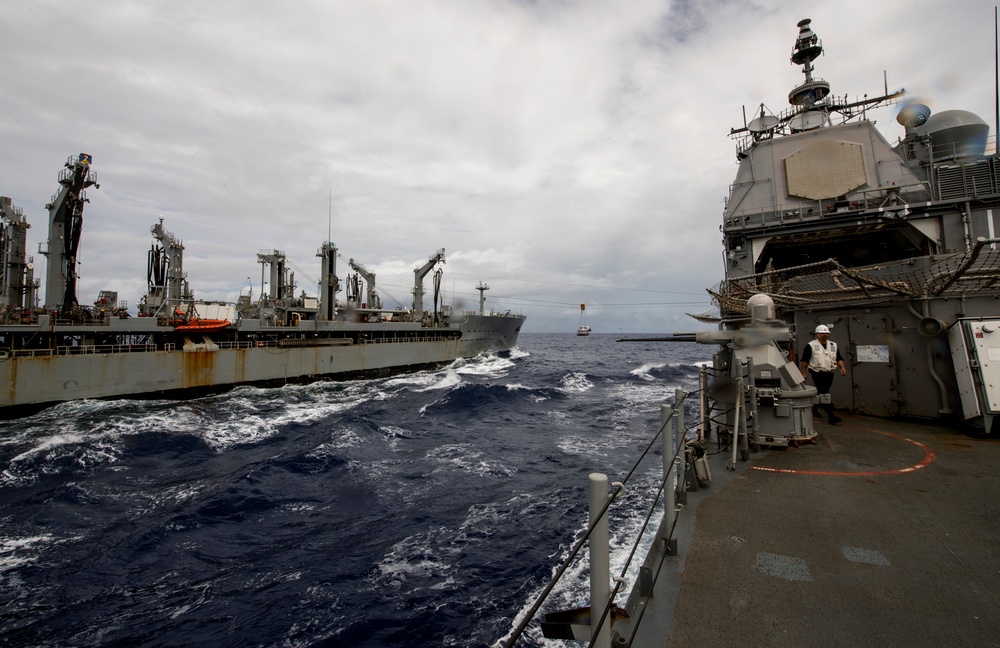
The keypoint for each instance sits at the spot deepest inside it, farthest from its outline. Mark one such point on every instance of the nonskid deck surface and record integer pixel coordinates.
(881, 533)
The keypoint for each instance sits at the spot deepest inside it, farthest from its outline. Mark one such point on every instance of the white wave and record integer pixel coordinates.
(61, 417)
(581, 446)
(86, 450)
(491, 515)
(49, 444)
(176, 495)
(16, 552)
(340, 439)
(248, 431)
(422, 556)
(637, 398)
(449, 379)
(487, 365)
(517, 353)
(419, 379)
(576, 382)
(255, 415)
(464, 457)
(644, 371)
(250, 415)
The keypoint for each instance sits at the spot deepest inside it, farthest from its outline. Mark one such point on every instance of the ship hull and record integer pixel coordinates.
(34, 380)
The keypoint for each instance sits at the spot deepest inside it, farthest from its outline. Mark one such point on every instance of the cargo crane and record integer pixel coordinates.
(418, 282)
(372, 298)
(65, 227)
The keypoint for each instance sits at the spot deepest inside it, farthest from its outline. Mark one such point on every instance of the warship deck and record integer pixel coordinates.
(881, 533)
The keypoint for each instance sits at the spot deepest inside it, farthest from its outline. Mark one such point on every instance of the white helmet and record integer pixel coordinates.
(822, 328)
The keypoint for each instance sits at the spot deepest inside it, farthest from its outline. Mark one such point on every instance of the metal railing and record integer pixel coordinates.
(672, 436)
(95, 349)
(83, 349)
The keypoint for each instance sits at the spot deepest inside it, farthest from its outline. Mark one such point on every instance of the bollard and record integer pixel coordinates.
(600, 560)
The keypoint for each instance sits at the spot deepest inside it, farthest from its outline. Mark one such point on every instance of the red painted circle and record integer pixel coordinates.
(929, 457)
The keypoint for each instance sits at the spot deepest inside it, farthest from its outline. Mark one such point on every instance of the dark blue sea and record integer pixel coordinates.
(426, 509)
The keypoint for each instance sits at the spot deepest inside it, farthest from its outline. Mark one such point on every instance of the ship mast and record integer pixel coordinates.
(807, 49)
(811, 102)
(482, 288)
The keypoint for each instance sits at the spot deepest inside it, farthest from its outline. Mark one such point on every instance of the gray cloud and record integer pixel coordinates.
(564, 152)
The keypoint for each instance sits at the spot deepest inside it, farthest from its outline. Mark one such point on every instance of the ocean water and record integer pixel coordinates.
(426, 509)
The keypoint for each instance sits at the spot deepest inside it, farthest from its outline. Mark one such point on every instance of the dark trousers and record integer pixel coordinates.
(823, 381)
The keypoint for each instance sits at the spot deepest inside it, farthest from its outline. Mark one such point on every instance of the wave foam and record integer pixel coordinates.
(645, 372)
(575, 383)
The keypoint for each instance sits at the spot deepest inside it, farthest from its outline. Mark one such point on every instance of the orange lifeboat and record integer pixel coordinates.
(201, 325)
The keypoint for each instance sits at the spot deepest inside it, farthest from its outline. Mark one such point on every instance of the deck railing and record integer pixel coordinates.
(84, 349)
(98, 349)
(676, 442)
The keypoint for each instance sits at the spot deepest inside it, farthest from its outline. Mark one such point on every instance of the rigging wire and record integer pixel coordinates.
(301, 272)
(567, 283)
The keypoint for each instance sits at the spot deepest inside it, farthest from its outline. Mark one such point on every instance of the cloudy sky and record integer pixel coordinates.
(563, 151)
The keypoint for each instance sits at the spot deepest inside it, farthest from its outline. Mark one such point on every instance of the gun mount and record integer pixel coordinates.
(757, 389)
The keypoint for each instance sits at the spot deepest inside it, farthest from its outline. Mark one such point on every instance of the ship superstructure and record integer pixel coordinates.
(893, 246)
(177, 345)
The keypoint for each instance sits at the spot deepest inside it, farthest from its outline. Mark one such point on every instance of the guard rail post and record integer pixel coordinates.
(600, 559)
(679, 446)
(703, 400)
(670, 480)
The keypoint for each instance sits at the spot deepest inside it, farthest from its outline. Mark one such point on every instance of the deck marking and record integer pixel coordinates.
(868, 556)
(929, 457)
(787, 567)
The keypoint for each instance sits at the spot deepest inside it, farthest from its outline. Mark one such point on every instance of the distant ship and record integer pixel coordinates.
(583, 329)
(179, 346)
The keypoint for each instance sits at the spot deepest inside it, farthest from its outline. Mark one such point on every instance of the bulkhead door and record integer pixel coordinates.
(872, 372)
(865, 342)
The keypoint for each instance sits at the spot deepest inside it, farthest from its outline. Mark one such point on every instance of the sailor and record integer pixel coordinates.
(822, 357)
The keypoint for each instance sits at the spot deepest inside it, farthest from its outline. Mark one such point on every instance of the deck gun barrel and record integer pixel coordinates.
(676, 337)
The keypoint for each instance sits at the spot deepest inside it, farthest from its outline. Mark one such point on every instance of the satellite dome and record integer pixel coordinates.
(914, 115)
(761, 308)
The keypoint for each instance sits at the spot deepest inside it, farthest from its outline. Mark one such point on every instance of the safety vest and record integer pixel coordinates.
(823, 359)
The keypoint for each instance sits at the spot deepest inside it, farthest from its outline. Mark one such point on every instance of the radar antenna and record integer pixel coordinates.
(807, 49)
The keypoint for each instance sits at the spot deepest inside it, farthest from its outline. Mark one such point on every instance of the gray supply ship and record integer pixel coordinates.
(877, 531)
(179, 346)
